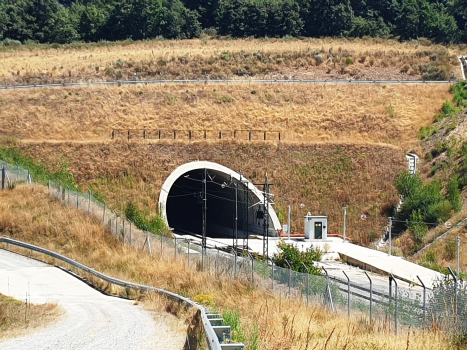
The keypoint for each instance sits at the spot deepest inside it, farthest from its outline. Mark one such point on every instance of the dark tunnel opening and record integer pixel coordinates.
(185, 206)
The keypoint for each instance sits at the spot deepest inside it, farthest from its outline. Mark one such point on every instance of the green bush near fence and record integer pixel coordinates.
(155, 224)
(297, 258)
(38, 171)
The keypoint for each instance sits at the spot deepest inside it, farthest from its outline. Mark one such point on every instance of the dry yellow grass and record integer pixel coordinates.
(84, 62)
(324, 177)
(283, 323)
(18, 318)
(304, 113)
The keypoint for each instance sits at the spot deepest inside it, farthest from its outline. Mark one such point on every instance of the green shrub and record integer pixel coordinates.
(38, 171)
(447, 110)
(425, 132)
(155, 224)
(459, 92)
(426, 202)
(296, 258)
(454, 194)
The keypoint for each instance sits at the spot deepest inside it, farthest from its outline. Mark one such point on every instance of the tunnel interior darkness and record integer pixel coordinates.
(184, 206)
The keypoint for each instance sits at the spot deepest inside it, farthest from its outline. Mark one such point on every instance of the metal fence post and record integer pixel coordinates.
(161, 242)
(235, 264)
(116, 224)
(328, 290)
(103, 214)
(272, 267)
(68, 190)
(3, 177)
(371, 297)
(217, 261)
(424, 302)
(130, 229)
(252, 269)
(77, 197)
(188, 252)
(290, 277)
(455, 292)
(89, 201)
(123, 234)
(396, 302)
(307, 282)
(175, 246)
(348, 294)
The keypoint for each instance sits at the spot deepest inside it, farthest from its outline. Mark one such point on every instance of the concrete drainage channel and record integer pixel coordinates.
(216, 333)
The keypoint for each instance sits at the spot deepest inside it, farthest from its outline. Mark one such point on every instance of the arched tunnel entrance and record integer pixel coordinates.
(227, 196)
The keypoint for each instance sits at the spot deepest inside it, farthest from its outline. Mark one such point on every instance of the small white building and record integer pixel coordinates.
(316, 227)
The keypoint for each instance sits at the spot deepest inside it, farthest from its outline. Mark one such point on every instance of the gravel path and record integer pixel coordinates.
(92, 320)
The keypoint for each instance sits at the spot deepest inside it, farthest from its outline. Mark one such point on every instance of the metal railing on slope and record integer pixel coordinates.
(214, 331)
(187, 81)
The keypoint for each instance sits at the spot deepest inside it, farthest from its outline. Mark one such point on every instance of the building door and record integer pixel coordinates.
(318, 230)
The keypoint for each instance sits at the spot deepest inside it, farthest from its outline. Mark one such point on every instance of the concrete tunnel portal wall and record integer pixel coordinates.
(181, 201)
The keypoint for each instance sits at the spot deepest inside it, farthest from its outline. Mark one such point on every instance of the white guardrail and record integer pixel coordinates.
(215, 332)
(185, 81)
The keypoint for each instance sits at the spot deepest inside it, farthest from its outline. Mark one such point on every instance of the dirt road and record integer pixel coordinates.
(92, 320)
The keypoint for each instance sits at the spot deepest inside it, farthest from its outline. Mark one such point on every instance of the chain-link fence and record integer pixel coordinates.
(393, 306)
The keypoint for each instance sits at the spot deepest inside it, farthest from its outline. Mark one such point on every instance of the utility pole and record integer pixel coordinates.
(203, 243)
(390, 235)
(236, 219)
(345, 222)
(266, 217)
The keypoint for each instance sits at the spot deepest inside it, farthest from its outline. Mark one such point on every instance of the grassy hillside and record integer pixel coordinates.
(324, 177)
(329, 58)
(303, 113)
(276, 323)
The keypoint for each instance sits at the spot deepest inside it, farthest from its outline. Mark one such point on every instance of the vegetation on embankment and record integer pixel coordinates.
(329, 58)
(442, 194)
(324, 177)
(390, 114)
(30, 214)
(18, 317)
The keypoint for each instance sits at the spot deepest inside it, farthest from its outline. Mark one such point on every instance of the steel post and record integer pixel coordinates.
(103, 214)
(396, 304)
(290, 277)
(89, 201)
(3, 177)
(424, 302)
(77, 197)
(307, 282)
(348, 294)
(175, 247)
(217, 261)
(188, 252)
(455, 291)
(130, 229)
(390, 236)
(149, 243)
(371, 297)
(273, 266)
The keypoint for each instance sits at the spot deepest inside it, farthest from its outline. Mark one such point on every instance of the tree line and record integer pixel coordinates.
(65, 21)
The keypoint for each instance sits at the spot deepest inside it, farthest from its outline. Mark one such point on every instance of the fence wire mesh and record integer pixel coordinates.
(444, 306)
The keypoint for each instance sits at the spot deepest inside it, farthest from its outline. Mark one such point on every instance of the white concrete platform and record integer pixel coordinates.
(334, 247)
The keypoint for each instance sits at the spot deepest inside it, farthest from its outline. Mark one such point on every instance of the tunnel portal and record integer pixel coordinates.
(183, 194)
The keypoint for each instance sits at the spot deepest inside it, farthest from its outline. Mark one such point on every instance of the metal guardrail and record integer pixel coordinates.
(212, 323)
(186, 81)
